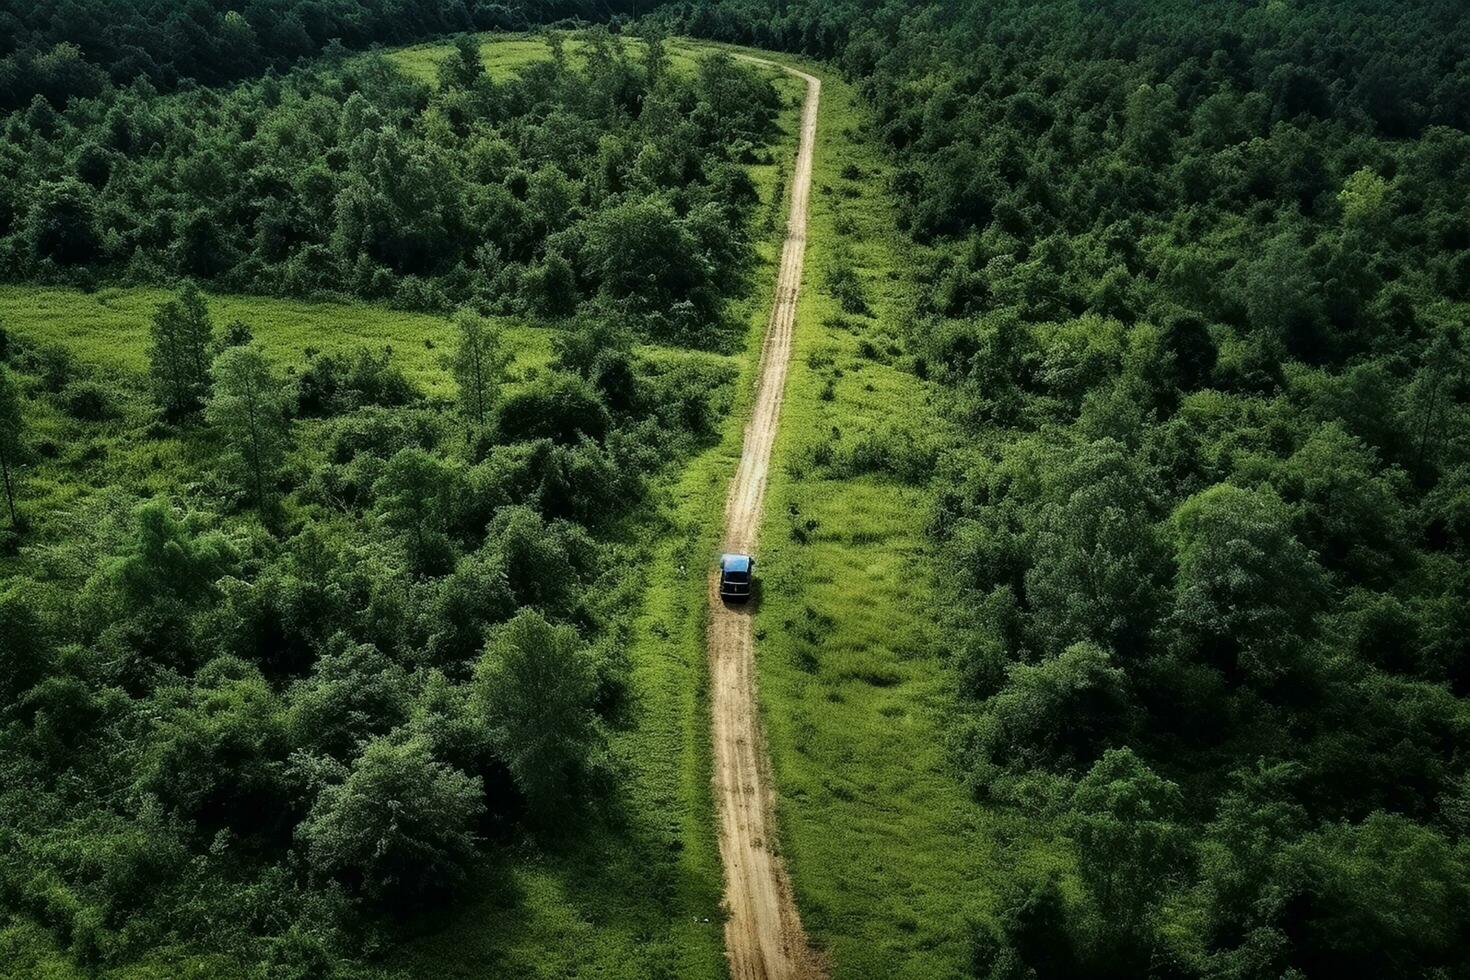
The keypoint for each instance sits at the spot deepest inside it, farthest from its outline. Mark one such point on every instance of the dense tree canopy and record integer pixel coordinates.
(1194, 287)
(77, 49)
(1192, 290)
(596, 180)
(304, 646)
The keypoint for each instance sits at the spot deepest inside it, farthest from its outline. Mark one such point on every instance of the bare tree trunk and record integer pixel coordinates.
(9, 490)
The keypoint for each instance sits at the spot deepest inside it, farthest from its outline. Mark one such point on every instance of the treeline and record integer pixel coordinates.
(521, 195)
(60, 50)
(1196, 296)
(367, 639)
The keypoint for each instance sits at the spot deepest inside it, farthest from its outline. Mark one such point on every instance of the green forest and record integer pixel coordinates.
(367, 409)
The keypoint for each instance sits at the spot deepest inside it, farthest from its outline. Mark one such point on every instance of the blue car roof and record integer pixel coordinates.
(735, 563)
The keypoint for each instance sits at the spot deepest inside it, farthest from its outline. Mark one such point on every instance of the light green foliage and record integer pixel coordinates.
(480, 363)
(178, 355)
(1362, 199)
(110, 329)
(167, 564)
(248, 407)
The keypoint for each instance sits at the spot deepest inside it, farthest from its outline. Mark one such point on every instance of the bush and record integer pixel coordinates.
(536, 685)
(396, 827)
(337, 383)
(558, 406)
(87, 401)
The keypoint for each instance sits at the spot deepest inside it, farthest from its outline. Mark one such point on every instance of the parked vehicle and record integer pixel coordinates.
(737, 576)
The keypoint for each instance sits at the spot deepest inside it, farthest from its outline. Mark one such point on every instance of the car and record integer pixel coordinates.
(737, 576)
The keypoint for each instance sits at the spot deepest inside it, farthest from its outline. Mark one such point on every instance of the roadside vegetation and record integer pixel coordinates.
(883, 845)
(1194, 302)
(318, 616)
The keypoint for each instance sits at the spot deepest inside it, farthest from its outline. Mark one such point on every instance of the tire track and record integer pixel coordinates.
(763, 934)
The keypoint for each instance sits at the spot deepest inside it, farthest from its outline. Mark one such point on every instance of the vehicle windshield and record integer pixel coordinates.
(737, 576)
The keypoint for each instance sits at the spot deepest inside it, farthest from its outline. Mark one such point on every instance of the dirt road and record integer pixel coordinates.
(763, 935)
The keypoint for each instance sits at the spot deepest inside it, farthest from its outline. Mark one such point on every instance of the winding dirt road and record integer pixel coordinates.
(763, 934)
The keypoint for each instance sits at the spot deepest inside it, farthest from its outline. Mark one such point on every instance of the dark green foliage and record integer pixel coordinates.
(179, 354)
(336, 383)
(12, 430)
(558, 406)
(574, 182)
(535, 685)
(354, 692)
(25, 653)
(395, 827)
(87, 401)
(1191, 290)
(1246, 590)
(79, 51)
(217, 756)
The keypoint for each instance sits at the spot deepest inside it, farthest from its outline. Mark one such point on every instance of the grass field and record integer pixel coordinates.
(109, 329)
(77, 466)
(506, 54)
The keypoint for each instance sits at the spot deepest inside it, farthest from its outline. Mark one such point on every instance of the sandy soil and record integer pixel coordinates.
(763, 935)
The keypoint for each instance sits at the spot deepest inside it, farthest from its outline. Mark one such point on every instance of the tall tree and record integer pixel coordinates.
(479, 366)
(536, 685)
(463, 67)
(11, 427)
(1130, 846)
(179, 355)
(248, 406)
(415, 497)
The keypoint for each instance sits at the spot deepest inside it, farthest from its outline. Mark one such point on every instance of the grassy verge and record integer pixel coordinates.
(892, 862)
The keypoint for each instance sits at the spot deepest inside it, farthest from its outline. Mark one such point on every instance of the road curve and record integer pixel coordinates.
(763, 934)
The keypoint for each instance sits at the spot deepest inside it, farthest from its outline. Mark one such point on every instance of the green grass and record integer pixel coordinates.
(109, 329)
(505, 55)
(892, 862)
(79, 466)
